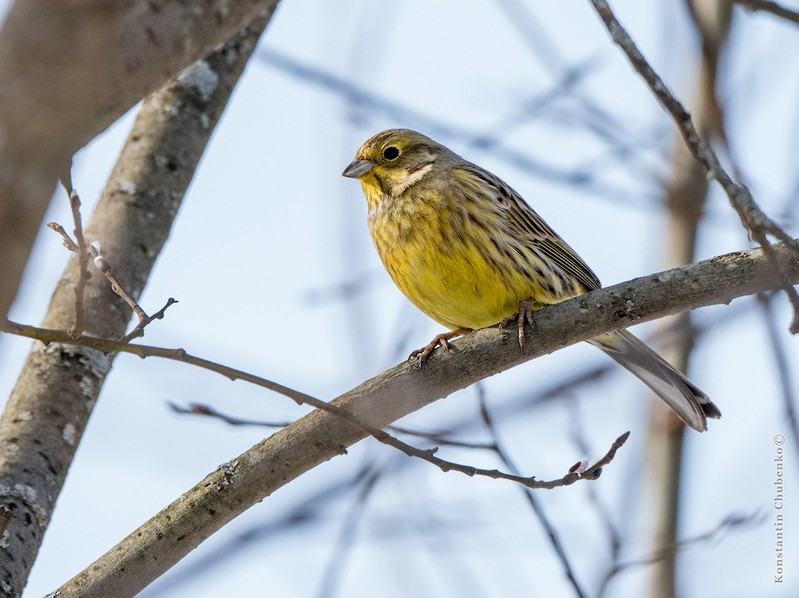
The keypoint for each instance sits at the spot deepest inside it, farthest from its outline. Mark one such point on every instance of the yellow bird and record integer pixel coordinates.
(469, 252)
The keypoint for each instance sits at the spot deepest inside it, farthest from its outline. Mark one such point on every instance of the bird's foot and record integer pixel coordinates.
(439, 340)
(524, 315)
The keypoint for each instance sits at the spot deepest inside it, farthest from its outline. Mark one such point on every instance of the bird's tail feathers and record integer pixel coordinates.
(691, 404)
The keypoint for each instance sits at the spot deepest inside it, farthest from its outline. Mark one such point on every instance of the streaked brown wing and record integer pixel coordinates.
(532, 229)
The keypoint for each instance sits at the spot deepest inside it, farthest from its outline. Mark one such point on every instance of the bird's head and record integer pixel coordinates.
(392, 161)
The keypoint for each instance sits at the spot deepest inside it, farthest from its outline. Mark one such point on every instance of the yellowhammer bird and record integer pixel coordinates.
(468, 251)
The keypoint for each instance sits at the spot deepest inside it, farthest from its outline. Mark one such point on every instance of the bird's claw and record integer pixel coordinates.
(439, 340)
(423, 353)
(520, 318)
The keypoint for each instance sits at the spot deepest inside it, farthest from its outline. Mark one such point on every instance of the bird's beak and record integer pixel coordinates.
(357, 169)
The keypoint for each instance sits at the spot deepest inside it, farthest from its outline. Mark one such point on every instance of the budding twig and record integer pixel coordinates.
(144, 320)
(84, 251)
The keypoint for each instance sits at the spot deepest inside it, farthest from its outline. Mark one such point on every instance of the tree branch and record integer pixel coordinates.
(754, 220)
(70, 69)
(53, 398)
(319, 436)
(660, 483)
(772, 7)
(379, 434)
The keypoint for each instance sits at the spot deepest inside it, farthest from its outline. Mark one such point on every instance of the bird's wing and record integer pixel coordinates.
(523, 221)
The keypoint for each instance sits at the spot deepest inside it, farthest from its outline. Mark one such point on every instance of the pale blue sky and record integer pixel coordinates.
(269, 228)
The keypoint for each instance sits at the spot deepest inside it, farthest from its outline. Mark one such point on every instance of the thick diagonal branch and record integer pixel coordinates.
(234, 487)
(54, 396)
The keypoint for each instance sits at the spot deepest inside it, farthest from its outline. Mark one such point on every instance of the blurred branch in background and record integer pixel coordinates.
(622, 138)
(550, 530)
(771, 7)
(370, 103)
(661, 552)
(345, 543)
(782, 366)
(685, 195)
(757, 224)
(49, 408)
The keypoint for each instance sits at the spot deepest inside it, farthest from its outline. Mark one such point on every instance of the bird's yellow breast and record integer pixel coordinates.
(450, 259)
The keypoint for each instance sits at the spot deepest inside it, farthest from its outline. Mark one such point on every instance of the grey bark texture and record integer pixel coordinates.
(70, 69)
(51, 403)
(686, 194)
(248, 479)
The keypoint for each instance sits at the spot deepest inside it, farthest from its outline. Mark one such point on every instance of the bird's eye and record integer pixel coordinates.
(391, 153)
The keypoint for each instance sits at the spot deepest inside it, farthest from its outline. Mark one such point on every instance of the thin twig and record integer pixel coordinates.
(83, 260)
(552, 534)
(779, 269)
(732, 521)
(107, 345)
(600, 508)
(67, 240)
(337, 563)
(772, 7)
(756, 222)
(208, 411)
(783, 367)
(84, 251)
(79, 247)
(144, 320)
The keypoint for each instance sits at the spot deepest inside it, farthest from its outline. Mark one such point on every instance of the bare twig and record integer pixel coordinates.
(600, 508)
(772, 7)
(782, 365)
(83, 259)
(103, 266)
(208, 411)
(428, 455)
(760, 237)
(755, 221)
(83, 251)
(80, 249)
(733, 521)
(550, 530)
(67, 240)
